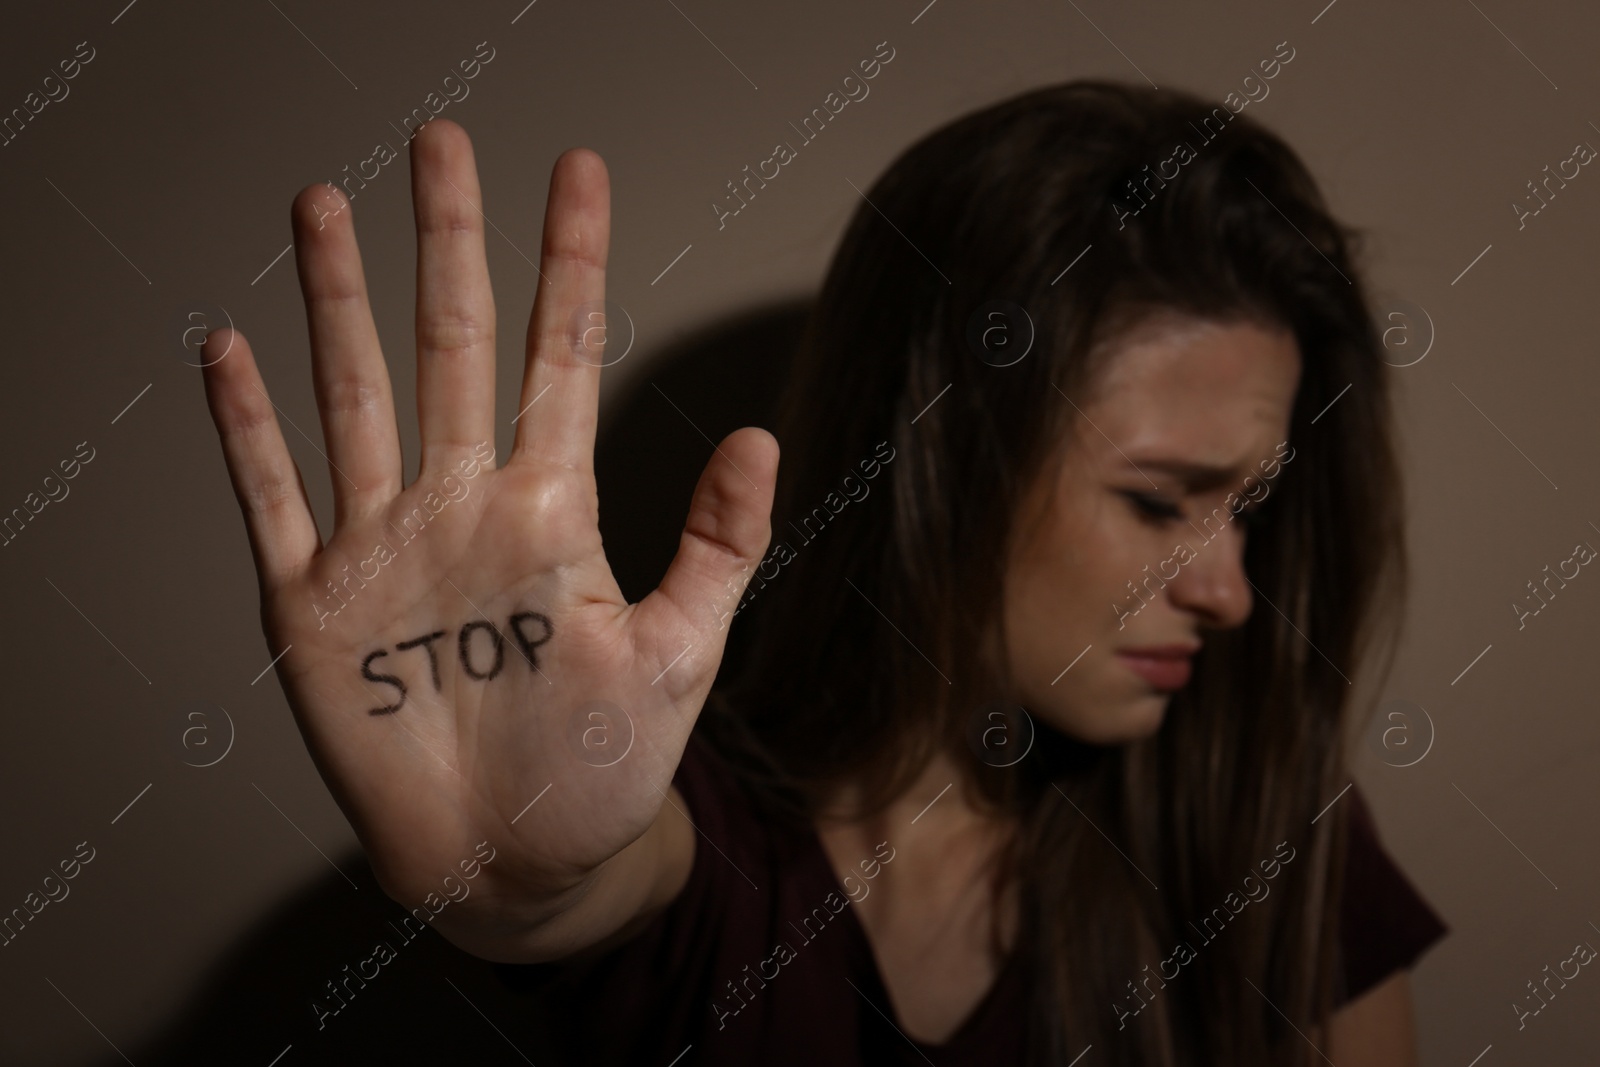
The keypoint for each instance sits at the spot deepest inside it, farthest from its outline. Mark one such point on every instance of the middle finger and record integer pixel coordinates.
(455, 305)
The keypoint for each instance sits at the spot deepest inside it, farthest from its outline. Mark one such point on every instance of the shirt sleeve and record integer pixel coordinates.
(1385, 923)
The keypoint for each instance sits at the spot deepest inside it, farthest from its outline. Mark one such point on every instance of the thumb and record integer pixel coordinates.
(727, 532)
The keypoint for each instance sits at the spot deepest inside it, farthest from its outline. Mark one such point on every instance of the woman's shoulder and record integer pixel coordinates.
(1385, 923)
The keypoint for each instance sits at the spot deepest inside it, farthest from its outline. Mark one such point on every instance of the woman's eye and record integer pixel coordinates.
(1154, 507)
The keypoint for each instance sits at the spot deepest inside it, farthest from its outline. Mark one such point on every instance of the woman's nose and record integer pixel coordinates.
(1213, 584)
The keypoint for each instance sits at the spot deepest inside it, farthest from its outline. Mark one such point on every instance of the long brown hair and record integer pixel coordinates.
(995, 206)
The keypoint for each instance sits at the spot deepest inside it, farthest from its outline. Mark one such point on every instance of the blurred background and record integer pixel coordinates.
(149, 193)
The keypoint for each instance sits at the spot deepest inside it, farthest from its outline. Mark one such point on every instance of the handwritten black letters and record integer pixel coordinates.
(479, 645)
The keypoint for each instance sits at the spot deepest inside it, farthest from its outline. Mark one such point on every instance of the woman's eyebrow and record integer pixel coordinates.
(1198, 475)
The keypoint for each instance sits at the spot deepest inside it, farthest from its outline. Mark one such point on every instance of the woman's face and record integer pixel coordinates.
(1128, 549)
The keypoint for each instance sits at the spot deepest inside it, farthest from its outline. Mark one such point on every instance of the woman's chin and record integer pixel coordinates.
(1133, 719)
(1142, 718)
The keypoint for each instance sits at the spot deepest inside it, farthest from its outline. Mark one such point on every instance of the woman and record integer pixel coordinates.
(1036, 753)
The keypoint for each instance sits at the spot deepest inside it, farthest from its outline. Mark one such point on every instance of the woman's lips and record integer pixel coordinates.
(1167, 669)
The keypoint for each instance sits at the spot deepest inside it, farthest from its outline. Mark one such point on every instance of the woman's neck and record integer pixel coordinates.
(944, 849)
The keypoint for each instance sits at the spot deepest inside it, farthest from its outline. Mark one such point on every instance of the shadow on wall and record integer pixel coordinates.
(425, 1000)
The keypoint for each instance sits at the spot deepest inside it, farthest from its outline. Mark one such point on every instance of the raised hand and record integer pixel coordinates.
(459, 648)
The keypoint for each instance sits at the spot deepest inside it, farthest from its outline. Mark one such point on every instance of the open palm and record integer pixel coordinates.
(461, 662)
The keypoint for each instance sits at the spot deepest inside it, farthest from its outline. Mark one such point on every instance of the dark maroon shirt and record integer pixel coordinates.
(703, 980)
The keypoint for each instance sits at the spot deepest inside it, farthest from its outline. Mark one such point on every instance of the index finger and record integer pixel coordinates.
(561, 380)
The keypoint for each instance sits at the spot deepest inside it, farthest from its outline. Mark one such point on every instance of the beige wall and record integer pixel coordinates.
(161, 184)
